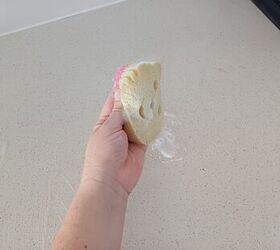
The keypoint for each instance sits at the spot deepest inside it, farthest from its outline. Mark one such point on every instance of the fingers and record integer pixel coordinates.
(138, 148)
(115, 121)
(138, 151)
(105, 112)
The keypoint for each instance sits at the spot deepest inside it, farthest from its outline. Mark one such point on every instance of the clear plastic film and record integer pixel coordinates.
(168, 146)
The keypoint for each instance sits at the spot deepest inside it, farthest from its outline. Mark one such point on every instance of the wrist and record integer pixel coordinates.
(100, 181)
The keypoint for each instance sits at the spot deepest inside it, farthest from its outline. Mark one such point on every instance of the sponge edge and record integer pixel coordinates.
(140, 95)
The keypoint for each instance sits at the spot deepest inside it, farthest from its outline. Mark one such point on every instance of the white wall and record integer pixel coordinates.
(18, 14)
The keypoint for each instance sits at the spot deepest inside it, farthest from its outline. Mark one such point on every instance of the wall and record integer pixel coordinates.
(17, 15)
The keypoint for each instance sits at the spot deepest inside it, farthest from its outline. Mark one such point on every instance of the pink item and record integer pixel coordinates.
(118, 76)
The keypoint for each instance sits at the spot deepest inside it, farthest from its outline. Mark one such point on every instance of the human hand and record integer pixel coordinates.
(110, 158)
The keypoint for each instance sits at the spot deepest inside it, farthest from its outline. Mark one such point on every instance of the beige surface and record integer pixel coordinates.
(220, 78)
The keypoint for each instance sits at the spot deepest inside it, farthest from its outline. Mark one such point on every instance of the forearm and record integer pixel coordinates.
(95, 219)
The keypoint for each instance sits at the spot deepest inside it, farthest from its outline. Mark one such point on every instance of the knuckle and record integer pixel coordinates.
(118, 107)
(104, 117)
(117, 110)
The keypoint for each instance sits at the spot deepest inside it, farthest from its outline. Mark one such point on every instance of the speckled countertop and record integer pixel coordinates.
(221, 80)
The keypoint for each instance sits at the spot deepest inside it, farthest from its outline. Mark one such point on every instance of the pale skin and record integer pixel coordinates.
(112, 167)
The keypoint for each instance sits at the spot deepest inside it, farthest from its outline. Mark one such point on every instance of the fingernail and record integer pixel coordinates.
(114, 84)
(117, 95)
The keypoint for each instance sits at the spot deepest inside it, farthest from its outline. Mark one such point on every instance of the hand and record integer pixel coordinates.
(110, 158)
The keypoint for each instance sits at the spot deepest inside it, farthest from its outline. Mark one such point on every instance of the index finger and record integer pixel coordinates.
(106, 111)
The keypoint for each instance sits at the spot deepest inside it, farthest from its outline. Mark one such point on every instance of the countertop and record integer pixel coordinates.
(220, 82)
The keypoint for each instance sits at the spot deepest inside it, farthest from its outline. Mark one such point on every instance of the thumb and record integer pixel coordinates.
(116, 120)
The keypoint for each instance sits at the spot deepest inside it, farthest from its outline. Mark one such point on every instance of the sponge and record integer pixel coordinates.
(139, 86)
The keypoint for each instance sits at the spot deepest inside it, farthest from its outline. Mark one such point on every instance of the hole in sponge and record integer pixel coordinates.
(146, 110)
(159, 110)
(141, 112)
(156, 85)
(152, 104)
(136, 72)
